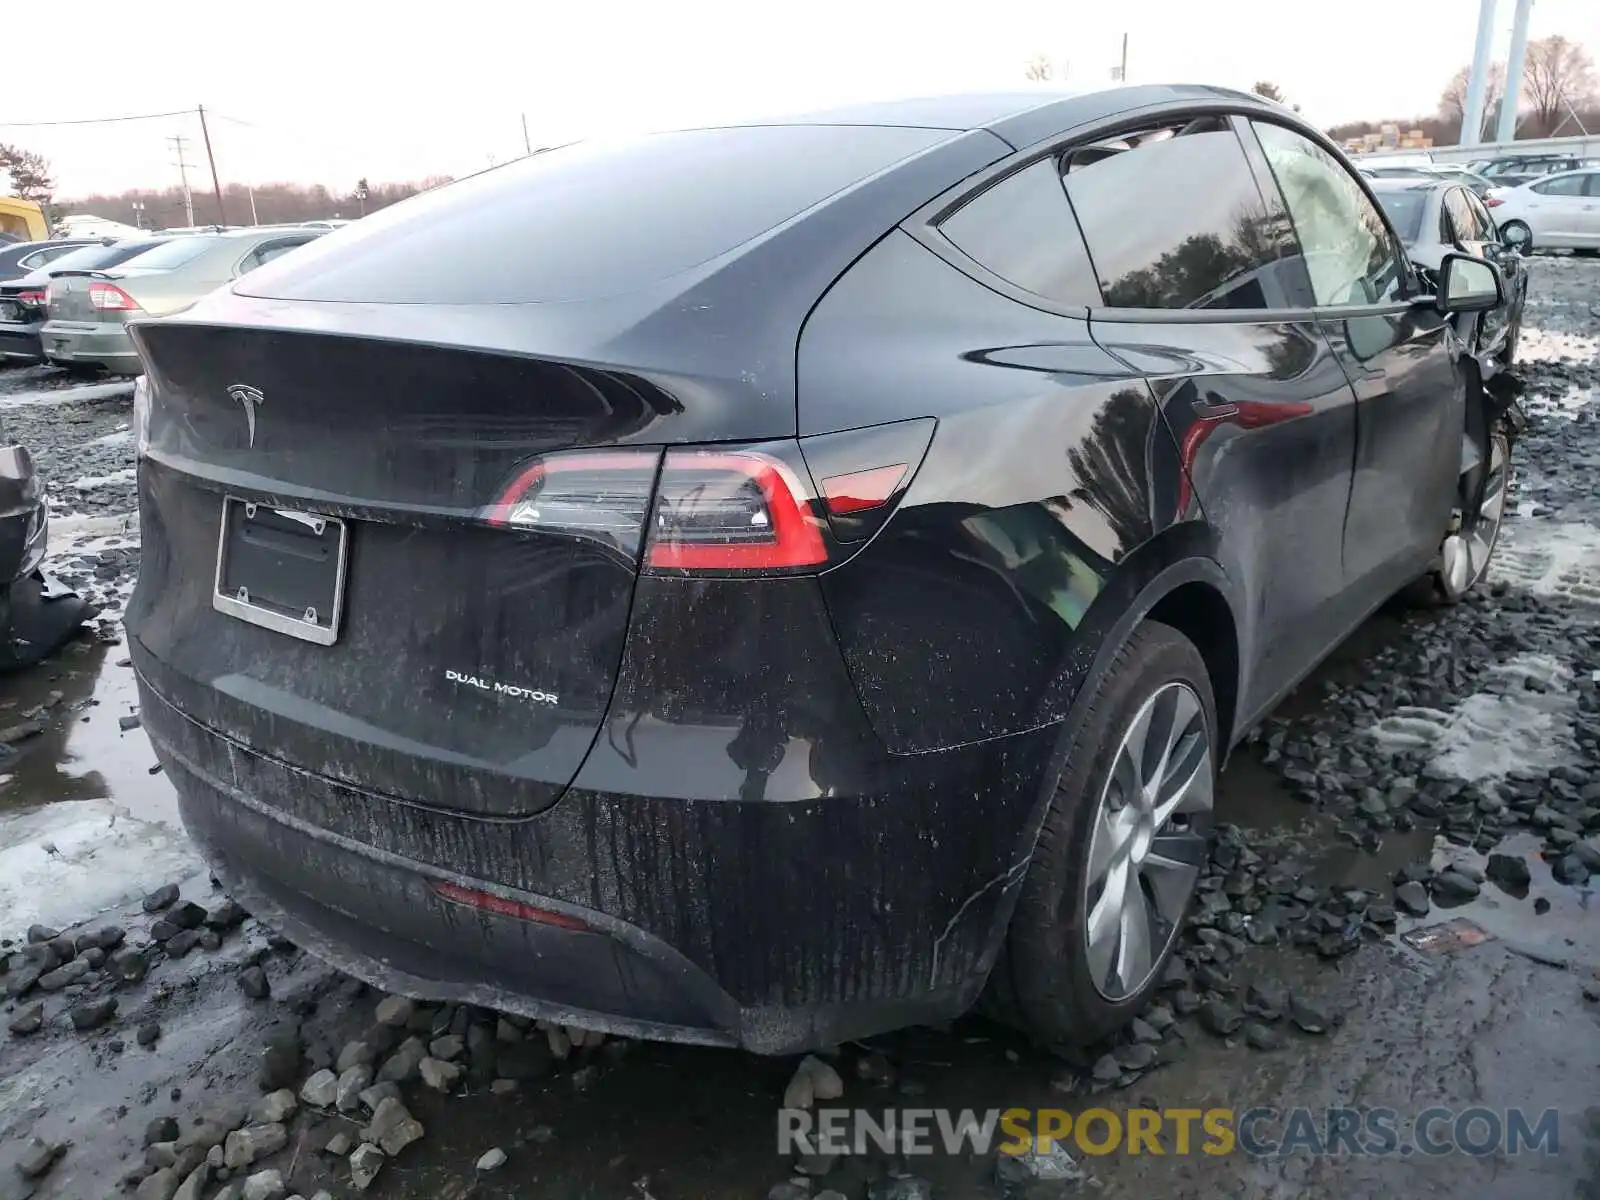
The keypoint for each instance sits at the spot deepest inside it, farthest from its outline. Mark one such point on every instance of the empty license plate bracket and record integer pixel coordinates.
(281, 569)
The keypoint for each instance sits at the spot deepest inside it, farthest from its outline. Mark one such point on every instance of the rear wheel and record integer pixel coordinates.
(1475, 526)
(1122, 846)
(1526, 246)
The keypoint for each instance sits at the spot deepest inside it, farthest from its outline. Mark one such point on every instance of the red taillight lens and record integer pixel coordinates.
(600, 496)
(731, 511)
(1492, 202)
(108, 297)
(33, 296)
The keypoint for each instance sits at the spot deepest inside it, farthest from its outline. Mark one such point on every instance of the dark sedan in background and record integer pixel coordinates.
(784, 581)
(20, 258)
(22, 301)
(1437, 219)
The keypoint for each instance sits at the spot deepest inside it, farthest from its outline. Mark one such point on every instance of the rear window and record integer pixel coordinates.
(171, 254)
(588, 220)
(1405, 210)
(82, 259)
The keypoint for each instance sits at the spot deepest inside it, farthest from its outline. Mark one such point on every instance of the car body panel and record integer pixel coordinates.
(1557, 218)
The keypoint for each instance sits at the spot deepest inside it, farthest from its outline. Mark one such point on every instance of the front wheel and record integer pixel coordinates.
(1122, 846)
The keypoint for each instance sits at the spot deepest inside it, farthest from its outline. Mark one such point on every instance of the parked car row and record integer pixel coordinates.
(1559, 211)
(73, 308)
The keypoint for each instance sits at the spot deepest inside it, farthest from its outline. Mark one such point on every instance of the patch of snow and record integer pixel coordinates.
(84, 483)
(1553, 345)
(119, 437)
(1551, 559)
(92, 391)
(1501, 729)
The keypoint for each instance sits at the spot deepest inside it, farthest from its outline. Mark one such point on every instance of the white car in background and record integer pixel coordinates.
(1560, 211)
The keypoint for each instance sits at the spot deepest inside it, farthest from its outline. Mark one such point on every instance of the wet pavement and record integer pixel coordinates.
(1490, 1000)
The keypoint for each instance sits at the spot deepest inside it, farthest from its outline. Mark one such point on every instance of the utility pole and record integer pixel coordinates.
(1122, 71)
(222, 216)
(178, 142)
(1514, 65)
(526, 144)
(254, 220)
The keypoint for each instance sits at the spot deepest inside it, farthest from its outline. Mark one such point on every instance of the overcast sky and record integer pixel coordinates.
(330, 92)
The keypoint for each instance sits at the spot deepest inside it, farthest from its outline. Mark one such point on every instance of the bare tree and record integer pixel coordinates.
(1039, 69)
(1558, 73)
(1453, 100)
(1265, 87)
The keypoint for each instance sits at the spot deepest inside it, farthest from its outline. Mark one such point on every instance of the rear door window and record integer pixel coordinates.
(1561, 185)
(591, 219)
(1022, 230)
(1352, 258)
(1173, 219)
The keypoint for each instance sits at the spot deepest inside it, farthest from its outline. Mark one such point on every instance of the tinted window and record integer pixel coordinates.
(267, 251)
(84, 258)
(1561, 185)
(1348, 250)
(1406, 211)
(1174, 219)
(49, 254)
(1022, 229)
(592, 219)
(172, 254)
(1469, 221)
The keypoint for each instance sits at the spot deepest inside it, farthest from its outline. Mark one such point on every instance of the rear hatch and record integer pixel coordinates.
(473, 662)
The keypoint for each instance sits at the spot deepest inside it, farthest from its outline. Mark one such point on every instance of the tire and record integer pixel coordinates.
(1587, 252)
(1062, 985)
(1468, 549)
(1508, 353)
(1527, 246)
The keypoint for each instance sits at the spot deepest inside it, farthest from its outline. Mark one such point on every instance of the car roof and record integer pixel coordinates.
(1419, 184)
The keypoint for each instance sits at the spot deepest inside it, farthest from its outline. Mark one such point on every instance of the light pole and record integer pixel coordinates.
(138, 214)
(1478, 81)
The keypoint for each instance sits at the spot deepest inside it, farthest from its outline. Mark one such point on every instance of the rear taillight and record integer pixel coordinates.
(108, 297)
(1492, 202)
(597, 496)
(719, 510)
(34, 296)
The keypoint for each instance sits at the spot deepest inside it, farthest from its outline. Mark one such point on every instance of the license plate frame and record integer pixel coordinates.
(238, 602)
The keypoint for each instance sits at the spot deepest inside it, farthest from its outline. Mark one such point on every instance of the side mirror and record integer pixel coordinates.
(1468, 284)
(1515, 236)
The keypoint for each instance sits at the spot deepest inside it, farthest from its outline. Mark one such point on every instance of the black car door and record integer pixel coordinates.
(1205, 295)
(1401, 356)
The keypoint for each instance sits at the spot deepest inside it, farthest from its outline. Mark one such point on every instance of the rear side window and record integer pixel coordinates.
(1022, 230)
(1561, 185)
(591, 219)
(1174, 219)
(267, 251)
(1348, 250)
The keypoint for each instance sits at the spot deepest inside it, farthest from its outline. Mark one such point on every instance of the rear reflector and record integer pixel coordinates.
(502, 907)
(740, 510)
(861, 490)
(108, 297)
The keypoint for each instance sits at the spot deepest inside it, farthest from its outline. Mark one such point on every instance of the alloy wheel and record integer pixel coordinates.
(1148, 841)
(1464, 557)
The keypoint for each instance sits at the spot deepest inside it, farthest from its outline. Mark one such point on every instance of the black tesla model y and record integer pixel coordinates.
(768, 584)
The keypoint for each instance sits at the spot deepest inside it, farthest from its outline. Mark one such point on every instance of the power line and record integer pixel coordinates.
(94, 120)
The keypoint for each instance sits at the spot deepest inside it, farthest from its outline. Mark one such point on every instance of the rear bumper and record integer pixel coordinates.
(24, 524)
(773, 926)
(108, 346)
(21, 340)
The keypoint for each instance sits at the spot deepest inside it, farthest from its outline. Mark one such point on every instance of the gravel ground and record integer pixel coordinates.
(1398, 912)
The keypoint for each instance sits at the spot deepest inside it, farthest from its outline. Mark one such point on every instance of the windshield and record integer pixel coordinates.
(1405, 211)
(171, 254)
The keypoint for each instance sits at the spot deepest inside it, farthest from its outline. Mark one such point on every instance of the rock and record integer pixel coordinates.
(1221, 1018)
(29, 1020)
(1308, 1017)
(187, 915)
(321, 1090)
(505, 1031)
(163, 897)
(1508, 870)
(393, 1128)
(128, 723)
(274, 1108)
(1185, 1001)
(340, 1144)
(1019, 1174)
(1267, 1001)
(355, 1053)
(129, 965)
(180, 943)
(1141, 1030)
(441, 1076)
(352, 1082)
(1136, 1056)
(900, 1187)
(365, 1164)
(449, 1047)
(38, 1157)
(61, 977)
(492, 1161)
(1411, 898)
(263, 1185)
(813, 1080)
(1262, 1037)
(253, 982)
(225, 916)
(379, 1092)
(523, 1061)
(92, 1014)
(164, 931)
(246, 1145)
(1452, 886)
(162, 1185)
(396, 1011)
(149, 1033)
(1569, 869)
(162, 1129)
(20, 982)
(403, 1064)
(193, 1188)
(280, 1061)
(1106, 1069)
(558, 1041)
(40, 934)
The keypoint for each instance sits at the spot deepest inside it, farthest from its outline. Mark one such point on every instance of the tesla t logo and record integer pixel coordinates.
(249, 399)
